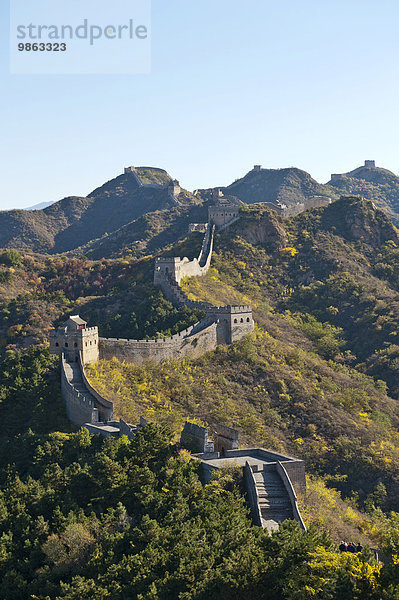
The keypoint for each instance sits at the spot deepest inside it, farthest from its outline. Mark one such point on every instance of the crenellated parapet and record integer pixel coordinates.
(190, 343)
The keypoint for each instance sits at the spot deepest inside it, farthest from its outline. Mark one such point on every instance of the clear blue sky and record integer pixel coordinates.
(306, 83)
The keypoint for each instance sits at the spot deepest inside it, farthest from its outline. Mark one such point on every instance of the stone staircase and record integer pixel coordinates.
(273, 499)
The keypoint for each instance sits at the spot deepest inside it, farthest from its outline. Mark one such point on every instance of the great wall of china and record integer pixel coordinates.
(78, 344)
(272, 480)
(173, 186)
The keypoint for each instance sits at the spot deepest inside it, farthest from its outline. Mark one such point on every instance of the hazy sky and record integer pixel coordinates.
(305, 83)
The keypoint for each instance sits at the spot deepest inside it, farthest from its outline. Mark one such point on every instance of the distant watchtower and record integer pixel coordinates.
(73, 337)
(174, 188)
(370, 164)
(257, 167)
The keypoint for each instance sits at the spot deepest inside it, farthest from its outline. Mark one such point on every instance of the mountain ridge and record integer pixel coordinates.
(117, 207)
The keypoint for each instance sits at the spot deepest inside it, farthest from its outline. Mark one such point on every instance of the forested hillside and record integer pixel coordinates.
(86, 518)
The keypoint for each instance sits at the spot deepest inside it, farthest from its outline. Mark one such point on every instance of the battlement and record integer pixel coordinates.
(232, 309)
(167, 340)
(257, 167)
(370, 164)
(241, 308)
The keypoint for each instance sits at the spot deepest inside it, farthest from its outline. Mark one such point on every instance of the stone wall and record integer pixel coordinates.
(195, 438)
(222, 325)
(79, 408)
(237, 320)
(176, 268)
(296, 472)
(104, 406)
(252, 495)
(225, 438)
(193, 342)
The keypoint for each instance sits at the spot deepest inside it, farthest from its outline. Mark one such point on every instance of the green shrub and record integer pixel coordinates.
(10, 258)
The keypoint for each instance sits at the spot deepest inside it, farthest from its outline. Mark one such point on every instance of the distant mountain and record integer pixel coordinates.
(143, 209)
(374, 183)
(74, 221)
(288, 186)
(40, 206)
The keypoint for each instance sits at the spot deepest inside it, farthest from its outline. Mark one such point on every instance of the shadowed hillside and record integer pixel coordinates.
(74, 221)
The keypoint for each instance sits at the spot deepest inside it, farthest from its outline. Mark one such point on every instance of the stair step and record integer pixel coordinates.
(270, 487)
(273, 491)
(273, 500)
(271, 514)
(279, 502)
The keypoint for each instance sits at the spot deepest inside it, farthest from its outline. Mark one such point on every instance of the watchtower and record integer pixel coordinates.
(167, 269)
(174, 188)
(73, 337)
(370, 164)
(130, 169)
(233, 322)
(257, 167)
(222, 212)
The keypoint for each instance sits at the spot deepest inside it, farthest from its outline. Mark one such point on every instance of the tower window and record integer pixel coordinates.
(235, 320)
(57, 344)
(248, 319)
(75, 344)
(66, 344)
